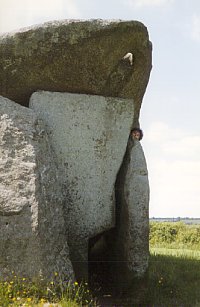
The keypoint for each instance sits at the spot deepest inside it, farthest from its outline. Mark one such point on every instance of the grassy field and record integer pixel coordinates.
(23, 292)
(173, 277)
(174, 269)
(173, 281)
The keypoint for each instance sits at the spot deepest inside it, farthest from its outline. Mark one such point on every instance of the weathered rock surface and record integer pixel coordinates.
(32, 230)
(89, 135)
(131, 239)
(79, 57)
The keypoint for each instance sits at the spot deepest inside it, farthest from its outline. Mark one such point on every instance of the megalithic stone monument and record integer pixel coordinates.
(85, 81)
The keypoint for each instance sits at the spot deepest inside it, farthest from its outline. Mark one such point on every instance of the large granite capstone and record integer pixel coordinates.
(76, 56)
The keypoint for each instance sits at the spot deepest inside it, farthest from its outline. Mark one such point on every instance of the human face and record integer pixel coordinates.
(135, 135)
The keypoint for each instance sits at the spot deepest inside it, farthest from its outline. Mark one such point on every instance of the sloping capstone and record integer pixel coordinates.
(32, 229)
(77, 56)
(89, 136)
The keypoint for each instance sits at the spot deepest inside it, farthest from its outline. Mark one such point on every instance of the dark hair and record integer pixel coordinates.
(138, 130)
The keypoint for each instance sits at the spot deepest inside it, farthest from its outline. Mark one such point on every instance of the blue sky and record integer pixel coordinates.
(171, 107)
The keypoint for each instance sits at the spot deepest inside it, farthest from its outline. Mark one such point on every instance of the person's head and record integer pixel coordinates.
(136, 134)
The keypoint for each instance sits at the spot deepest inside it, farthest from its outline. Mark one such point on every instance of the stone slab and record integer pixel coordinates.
(131, 241)
(89, 136)
(32, 229)
(76, 56)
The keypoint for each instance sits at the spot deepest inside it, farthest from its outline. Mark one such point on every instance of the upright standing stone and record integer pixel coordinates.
(89, 136)
(131, 239)
(32, 229)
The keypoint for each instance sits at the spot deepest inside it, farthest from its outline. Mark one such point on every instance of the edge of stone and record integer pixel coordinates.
(90, 24)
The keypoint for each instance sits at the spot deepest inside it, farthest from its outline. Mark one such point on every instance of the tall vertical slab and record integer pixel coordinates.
(89, 136)
(131, 238)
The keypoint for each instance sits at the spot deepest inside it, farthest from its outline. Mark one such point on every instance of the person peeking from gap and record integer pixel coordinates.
(136, 134)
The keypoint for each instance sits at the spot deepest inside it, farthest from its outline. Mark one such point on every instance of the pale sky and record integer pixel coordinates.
(171, 107)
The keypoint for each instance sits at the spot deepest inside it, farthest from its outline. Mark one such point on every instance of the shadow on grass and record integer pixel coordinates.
(171, 281)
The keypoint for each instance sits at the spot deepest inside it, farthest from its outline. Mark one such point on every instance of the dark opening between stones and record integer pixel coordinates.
(105, 261)
(99, 261)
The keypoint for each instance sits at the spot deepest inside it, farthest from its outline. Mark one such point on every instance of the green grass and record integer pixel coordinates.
(174, 278)
(174, 266)
(23, 292)
(176, 252)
